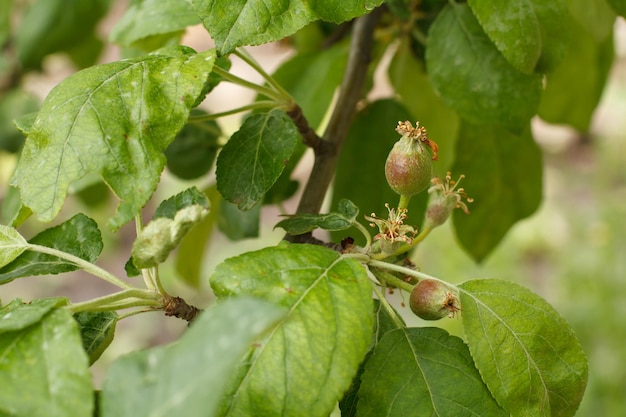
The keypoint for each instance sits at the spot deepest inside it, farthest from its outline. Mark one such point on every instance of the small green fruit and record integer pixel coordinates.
(409, 165)
(433, 300)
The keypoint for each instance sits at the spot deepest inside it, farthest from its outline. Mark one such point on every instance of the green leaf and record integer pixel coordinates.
(383, 323)
(194, 149)
(423, 372)
(192, 250)
(253, 22)
(254, 157)
(44, 370)
(187, 378)
(25, 122)
(56, 25)
(161, 235)
(473, 77)
(309, 359)
(97, 329)
(415, 90)
(562, 104)
(531, 34)
(340, 220)
(237, 224)
(14, 104)
(114, 120)
(12, 244)
(148, 18)
(12, 211)
(371, 137)
(504, 177)
(619, 6)
(18, 315)
(527, 354)
(78, 236)
(595, 17)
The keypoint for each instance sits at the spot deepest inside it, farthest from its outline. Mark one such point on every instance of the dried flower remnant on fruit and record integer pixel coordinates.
(418, 132)
(393, 229)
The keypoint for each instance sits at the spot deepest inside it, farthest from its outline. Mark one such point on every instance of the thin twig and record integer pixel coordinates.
(350, 93)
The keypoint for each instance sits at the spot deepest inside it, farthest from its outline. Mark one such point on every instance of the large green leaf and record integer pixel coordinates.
(307, 362)
(595, 17)
(97, 329)
(619, 6)
(361, 168)
(18, 315)
(57, 25)
(423, 372)
(504, 177)
(383, 323)
(415, 90)
(237, 224)
(531, 34)
(253, 22)
(44, 370)
(526, 353)
(78, 236)
(12, 244)
(114, 120)
(562, 104)
(254, 157)
(188, 377)
(473, 77)
(146, 19)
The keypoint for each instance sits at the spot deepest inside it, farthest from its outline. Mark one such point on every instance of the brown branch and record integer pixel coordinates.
(351, 91)
(309, 137)
(177, 307)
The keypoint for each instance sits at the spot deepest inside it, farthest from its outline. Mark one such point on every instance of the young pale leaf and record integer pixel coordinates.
(56, 25)
(308, 361)
(192, 249)
(190, 197)
(12, 244)
(18, 315)
(371, 137)
(44, 370)
(530, 34)
(526, 353)
(254, 157)
(145, 19)
(423, 372)
(162, 235)
(114, 120)
(340, 220)
(562, 104)
(503, 176)
(473, 77)
(78, 236)
(253, 22)
(97, 329)
(188, 377)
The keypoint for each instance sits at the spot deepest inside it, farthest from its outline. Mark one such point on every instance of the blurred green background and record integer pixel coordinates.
(572, 251)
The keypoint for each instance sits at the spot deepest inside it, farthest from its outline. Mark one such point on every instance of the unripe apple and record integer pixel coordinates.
(433, 300)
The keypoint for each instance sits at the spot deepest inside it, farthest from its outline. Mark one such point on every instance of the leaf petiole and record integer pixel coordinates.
(245, 83)
(248, 59)
(405, 270)
(134, 297)
(82, 264)
(383, 301)
(264, 104)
